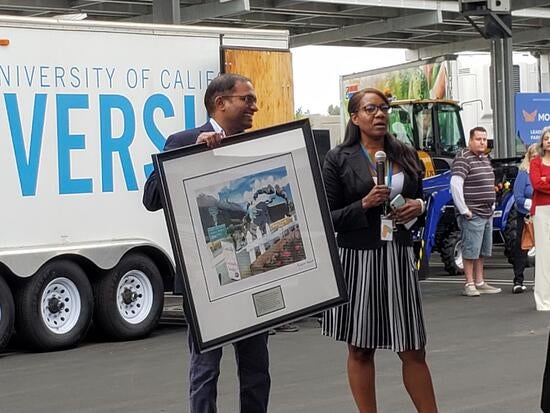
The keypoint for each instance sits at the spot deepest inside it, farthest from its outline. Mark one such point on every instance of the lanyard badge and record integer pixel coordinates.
(386, 229)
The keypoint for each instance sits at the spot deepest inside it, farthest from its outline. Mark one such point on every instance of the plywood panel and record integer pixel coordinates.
(271, 74)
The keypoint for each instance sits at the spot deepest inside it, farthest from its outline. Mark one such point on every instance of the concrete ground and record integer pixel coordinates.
(486, 355)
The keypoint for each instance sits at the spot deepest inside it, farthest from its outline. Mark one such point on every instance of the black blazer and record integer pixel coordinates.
(151, 193)
(347, 180)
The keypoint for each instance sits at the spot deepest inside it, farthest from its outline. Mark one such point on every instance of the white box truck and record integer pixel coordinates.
(83, 105)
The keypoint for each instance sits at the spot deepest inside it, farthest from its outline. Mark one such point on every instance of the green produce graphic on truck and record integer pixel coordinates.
(429, 81)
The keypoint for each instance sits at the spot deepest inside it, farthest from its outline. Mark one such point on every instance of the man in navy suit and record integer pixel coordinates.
(230, 101)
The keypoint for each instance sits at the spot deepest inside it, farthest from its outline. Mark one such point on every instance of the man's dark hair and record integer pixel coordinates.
(221, 85)
(477, 129)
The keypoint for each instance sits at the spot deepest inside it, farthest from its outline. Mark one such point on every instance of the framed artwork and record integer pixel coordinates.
(251, 232)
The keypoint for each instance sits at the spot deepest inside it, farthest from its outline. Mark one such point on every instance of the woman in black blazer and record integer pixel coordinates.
(385, 309)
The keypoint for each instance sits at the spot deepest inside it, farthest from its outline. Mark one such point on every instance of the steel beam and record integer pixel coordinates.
(535, 35)
(367, 29)
(522, 7)
(475, 44)
(503, 101)
(37, 3)
(166, 11)
(55, 6)
(442, 5)
(193, 14)
(204, 11)
(109, 8)
(527, 4)
(544, 69)
(440, 50)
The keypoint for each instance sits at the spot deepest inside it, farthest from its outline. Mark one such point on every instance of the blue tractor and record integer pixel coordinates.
(434, 128)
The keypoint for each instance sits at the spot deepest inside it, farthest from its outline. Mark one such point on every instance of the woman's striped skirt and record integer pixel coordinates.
(385, 306)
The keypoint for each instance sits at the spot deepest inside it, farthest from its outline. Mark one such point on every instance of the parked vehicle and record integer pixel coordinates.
(83, 106)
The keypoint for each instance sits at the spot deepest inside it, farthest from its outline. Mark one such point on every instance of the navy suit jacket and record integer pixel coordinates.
(151, 193)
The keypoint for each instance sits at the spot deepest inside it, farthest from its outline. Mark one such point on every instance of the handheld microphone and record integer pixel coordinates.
(380, 159)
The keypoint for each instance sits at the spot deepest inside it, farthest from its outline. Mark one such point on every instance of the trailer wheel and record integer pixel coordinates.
(451, 253)
(54, 307)
(7, 313)
(129, 298)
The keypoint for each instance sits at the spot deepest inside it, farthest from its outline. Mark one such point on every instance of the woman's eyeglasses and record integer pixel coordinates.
(248, 99)
(372, 109)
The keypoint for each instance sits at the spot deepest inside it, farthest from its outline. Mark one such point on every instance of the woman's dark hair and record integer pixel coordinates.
(396, 151)
(221, 85)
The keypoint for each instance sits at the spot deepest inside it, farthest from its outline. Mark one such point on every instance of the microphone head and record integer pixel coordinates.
(380, 156)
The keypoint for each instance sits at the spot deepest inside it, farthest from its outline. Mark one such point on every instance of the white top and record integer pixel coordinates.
(396, 184)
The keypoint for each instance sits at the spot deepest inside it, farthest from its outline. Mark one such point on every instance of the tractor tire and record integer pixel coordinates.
(7, 313)
(451, 253)
(510, 235)
(54, 307)
(129, 299)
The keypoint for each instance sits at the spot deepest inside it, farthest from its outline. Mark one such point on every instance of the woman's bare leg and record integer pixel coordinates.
(417, 380)
(361, 378)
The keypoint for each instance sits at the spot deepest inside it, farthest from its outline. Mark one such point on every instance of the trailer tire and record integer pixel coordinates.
(451, 253)
(129, 298)
(54, 307)
(7, 313)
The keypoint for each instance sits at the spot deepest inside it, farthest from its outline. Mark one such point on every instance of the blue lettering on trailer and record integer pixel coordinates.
(161, 102)
(120, 144)
(67, 142)
(189, 107)
(28, 151)
(27, 166)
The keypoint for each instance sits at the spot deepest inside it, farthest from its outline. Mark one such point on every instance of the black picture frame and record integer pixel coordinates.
(251, 232)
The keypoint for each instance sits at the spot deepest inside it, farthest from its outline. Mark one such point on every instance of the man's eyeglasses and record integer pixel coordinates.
(248, 99)
(372, 109)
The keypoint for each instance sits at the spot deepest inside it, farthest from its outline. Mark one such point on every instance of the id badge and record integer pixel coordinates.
(386, 229)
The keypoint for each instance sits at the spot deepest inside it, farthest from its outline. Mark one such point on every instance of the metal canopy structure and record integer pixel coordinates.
(427, 27)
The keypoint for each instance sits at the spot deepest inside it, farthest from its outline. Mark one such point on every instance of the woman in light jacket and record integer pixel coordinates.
(523, 192)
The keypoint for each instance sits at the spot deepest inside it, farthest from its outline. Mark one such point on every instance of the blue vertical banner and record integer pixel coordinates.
(532, 115)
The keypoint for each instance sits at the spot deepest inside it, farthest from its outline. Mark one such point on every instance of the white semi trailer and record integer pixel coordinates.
(82, 108)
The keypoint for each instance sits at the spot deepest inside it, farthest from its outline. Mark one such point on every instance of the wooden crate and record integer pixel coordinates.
(271, 74)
